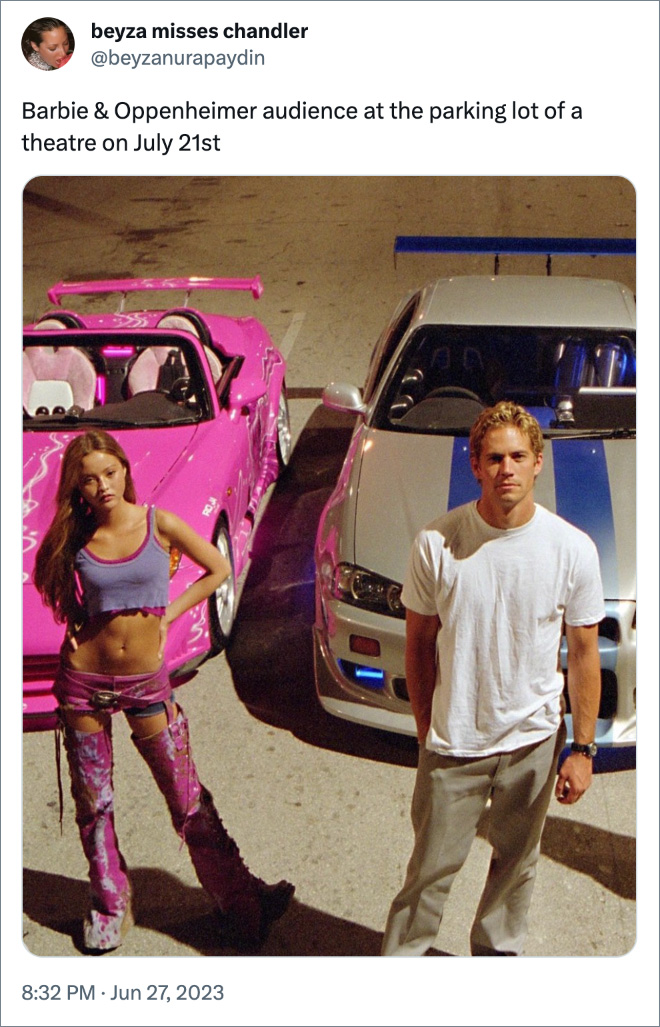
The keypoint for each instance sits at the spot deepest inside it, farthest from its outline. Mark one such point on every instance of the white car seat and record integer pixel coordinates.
(65, 373)
(145, 372)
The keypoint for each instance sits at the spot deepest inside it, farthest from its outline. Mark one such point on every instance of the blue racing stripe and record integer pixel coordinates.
(463, 486)
(583, 495)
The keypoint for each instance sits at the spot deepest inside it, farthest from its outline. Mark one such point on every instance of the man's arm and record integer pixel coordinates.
(584, 692)
(421, 635)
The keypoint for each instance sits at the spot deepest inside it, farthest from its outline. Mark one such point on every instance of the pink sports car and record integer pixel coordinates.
(198, 401)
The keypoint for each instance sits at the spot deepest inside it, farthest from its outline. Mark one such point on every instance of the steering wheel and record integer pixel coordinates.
(453, 390)
(181, 390)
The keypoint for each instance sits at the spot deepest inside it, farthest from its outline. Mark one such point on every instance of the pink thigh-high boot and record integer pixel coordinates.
(90, 764)
(247, 904)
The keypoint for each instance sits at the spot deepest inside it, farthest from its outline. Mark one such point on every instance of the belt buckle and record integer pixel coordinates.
(104, 700)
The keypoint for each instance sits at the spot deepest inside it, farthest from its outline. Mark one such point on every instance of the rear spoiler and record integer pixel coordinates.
(126, 285)
(498, 245)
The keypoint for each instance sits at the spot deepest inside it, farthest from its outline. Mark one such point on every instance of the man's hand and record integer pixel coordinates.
(573, 778)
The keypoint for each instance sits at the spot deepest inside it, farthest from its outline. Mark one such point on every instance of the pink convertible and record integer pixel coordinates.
(198, 402)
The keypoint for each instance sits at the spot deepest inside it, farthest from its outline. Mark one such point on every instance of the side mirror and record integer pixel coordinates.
(245, 393)
(343, 397)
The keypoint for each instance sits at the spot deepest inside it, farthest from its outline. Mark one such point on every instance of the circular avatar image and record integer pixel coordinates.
(47, 44)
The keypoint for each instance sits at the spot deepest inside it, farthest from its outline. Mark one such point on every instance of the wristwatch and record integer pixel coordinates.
(586, 750)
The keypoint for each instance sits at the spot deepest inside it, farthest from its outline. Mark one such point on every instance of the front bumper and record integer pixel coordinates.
(339, 696)
(347, 688)
(379, 699)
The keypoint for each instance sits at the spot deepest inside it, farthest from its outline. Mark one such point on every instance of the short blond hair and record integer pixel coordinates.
(503, 414)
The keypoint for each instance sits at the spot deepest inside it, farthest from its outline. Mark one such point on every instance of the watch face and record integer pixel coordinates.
(588, 750)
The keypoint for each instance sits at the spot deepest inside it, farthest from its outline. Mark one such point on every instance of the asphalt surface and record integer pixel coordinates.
(310, 798)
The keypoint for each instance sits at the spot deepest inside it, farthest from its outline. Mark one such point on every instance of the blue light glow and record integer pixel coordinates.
(369, 672)
(370, 677)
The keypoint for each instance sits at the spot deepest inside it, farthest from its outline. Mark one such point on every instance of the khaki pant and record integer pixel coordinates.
(449, 798)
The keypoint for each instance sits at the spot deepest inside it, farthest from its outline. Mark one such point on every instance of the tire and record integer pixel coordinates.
(222, 604)
(283, 431)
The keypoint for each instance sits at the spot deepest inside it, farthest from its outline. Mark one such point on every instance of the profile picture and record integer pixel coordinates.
(47, 44)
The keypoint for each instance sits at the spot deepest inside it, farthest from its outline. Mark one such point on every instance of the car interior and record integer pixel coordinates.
(448, 374)
(107, 377)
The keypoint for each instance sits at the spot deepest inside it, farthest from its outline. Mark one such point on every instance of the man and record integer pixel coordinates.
(488, 588)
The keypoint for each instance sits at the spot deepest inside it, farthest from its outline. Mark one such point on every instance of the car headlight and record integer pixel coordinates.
(360, 587)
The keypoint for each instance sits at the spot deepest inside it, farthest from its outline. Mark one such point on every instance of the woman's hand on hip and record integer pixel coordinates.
(162, 636)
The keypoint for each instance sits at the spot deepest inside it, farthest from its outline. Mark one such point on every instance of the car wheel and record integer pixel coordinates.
(283, 431)
(222, 603)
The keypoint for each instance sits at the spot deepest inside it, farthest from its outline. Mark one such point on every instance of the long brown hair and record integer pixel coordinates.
(72, 527)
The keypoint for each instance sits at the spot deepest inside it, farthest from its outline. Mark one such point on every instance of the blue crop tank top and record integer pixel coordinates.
(136, 582)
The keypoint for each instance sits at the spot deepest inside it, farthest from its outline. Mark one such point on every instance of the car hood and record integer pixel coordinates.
(408, 480)
(152, 454)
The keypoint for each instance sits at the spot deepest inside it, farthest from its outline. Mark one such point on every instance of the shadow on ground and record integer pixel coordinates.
(606, 857)
(270, 654)
(165, 906)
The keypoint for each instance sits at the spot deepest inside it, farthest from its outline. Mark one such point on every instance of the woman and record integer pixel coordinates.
(103, 568)
(47, 44)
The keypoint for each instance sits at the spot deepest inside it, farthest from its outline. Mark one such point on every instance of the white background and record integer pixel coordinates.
(602, 57)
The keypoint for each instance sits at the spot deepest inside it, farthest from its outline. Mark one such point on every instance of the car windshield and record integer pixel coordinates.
(111, 380)
(571, 380)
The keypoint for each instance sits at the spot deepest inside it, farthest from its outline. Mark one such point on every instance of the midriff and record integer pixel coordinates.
(117, 643)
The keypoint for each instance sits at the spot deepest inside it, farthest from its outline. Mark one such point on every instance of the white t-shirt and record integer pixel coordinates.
(501, 596)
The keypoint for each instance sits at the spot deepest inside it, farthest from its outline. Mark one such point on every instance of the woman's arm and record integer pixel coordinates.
(175, 532)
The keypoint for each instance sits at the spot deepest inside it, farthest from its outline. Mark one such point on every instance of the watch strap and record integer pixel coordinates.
(587, 750)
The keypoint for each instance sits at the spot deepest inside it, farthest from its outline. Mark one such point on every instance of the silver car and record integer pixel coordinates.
(564, 348)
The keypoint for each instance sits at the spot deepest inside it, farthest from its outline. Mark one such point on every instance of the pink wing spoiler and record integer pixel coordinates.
(123, 285)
